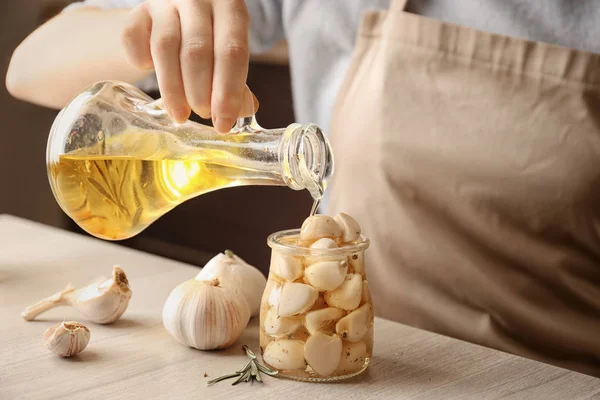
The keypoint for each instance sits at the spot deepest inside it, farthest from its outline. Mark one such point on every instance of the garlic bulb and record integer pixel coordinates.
(67, 338)
(231, 269)
(102, 302)
(205, 315)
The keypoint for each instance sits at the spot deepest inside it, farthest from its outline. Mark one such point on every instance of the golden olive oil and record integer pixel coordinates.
(116, 197)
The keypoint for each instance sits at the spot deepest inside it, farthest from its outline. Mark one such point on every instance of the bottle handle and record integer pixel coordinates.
(247, 124)
(156, 107)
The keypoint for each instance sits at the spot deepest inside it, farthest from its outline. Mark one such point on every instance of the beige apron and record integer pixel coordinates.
(472, 161)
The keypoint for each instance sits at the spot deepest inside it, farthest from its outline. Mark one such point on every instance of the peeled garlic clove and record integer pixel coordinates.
(296, 298)
(353, 357)
(323, 353)
(326, 275)
(67, 338)
(205, 315)
(232, 270)
(354, 326)
(319, 226)
(324, 243)
(102, 302)
(286, 266)
(275, 296)
(348, 295)
(271, 286)
(357, 262)
(280, 326)
(322, 320)
(350, 228)
(285, 354)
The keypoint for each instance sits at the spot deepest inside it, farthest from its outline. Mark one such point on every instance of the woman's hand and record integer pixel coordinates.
(199, 50)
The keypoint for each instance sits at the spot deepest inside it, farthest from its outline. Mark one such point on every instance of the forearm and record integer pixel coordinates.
(69, 52)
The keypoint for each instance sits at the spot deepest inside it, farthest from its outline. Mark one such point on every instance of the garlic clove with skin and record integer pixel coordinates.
(102, 302)
(232, 270)
(205, 315)
(67, 338)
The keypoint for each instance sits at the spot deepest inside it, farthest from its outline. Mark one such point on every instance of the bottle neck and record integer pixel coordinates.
(305, 155)
(306, 159)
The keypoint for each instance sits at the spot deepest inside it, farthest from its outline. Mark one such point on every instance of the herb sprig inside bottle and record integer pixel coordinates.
(249, 373)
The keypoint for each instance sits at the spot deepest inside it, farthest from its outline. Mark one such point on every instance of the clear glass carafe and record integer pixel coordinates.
(117, 162)
(308, 333)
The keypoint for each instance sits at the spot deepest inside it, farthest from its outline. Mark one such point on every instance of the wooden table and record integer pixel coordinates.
(135, 358)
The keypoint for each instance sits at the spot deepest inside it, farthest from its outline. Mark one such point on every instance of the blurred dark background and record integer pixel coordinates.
(239, 219)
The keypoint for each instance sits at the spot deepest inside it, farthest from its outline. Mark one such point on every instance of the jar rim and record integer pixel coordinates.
(274, 242)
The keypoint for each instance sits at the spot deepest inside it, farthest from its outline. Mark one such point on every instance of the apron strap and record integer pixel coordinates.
(398, 5)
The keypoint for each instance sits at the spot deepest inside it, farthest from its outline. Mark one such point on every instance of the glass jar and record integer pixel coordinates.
(312, 326)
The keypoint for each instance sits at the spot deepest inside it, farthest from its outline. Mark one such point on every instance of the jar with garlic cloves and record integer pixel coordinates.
(316, 317)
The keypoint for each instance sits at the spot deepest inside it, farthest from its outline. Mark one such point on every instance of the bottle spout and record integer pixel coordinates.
(307, 159)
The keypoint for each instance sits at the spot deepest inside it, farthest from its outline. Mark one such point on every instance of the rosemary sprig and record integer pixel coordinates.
(222, 378)
(249, 373)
